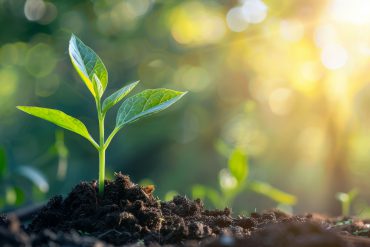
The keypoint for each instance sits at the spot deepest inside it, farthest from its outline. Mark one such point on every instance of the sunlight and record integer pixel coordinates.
(291, 30)
(280, 101)
(254, 11)
(192, 23)
(354, 12)
(334, 56)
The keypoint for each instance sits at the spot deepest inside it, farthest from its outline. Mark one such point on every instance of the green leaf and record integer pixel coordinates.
(87, 63)
(20, 196)
(98, 87)
(14, 196)
(3, 164)
(238, 165)
(59, 118)
(170, 195)
(346, 199)
(10, 196)
(202, 192)
(273, 193)
(146, 103)
(35, 177)
(199, 191)
(118, 96)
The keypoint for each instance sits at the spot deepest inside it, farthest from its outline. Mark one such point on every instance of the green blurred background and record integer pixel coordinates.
(285, 81)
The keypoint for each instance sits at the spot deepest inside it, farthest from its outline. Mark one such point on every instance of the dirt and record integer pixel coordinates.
(129, 215)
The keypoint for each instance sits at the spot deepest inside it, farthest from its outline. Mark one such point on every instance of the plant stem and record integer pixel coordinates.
(101, 149)
(110, 137)
(101, 170)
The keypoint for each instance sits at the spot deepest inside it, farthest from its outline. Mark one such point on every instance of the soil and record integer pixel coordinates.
(129, 215)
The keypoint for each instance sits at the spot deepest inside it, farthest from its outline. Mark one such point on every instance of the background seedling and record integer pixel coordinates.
(15, 180)
(346, 200)
(94, 74)
(234, 180)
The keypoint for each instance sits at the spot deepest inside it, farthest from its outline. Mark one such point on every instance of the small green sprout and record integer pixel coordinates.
(346, 200)
(235, 179)
(94, 74)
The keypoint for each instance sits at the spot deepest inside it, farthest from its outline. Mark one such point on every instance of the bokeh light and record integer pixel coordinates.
(8, 82)
(254, 11)
(34, 10)
(193, 23)
(353, 12)
(334, 56)
(235, 19)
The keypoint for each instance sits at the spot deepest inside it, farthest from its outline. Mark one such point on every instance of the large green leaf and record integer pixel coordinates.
(87, 63)
(59, 118)
(238, 165)
(118, 96)
(146, 103)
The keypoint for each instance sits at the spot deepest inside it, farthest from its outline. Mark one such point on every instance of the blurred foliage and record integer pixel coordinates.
(346, 200)
(234, 182)
(19, 184)
(286, 81)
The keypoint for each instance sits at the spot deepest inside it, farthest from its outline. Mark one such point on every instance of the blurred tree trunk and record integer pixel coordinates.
(337, 160)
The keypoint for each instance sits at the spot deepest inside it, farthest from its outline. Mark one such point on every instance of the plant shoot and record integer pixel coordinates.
(93, 73)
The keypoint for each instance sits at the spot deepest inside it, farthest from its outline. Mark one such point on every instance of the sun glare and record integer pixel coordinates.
(350, 11)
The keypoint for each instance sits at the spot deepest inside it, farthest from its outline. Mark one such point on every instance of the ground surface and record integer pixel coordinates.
(129, 215)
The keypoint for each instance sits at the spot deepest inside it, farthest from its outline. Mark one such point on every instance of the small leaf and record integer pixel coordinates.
(20, 196)
(59, 118)
(3, 164)
(199, 191)
(98, 87)
(146, 103)
(118, 96)
(202, 192)
(10, 196)
(87, 63)
(342, 197)
(170, 195)
(238, 165)
(35, 177)
(273, 193)
(227, 181)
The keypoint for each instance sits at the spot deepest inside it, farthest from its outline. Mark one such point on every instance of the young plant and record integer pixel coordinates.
(346, 200)
(16, 182)
(94, 74)
(234, 180)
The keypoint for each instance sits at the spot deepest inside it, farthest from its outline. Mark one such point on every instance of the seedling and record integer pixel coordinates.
(92, 71)
(346, 200)
(13, 185)
(234, 180)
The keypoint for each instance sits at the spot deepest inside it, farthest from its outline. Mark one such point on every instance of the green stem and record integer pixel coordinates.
(101, 170)
(110, 137)
(102, 148)
(91, 140)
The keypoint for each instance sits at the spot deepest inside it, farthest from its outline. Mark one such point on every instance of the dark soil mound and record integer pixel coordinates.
(130, 214)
